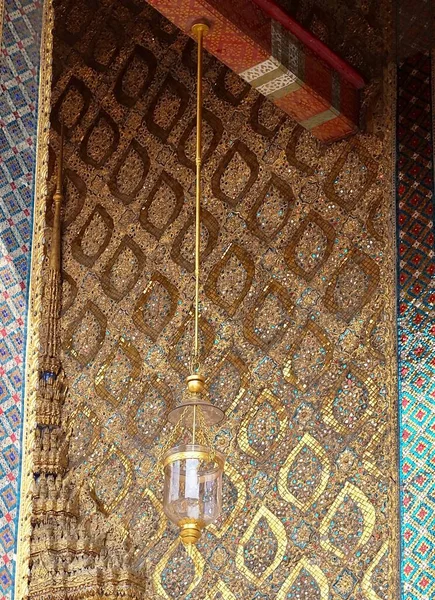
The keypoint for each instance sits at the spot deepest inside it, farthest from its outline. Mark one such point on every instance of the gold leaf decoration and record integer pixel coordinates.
(312, 571)
(93, 237)
(135, 163)
(105, 45)
(351, 402)
(263, 427)
(366, 584)
(182, 248)
(193, 558)
(118, 477)
(375, 331)
(245, 161)
(167, 108)
(85, 335)
(136, 76)
(69, 292)
(229, 381)
(220, 591)
(374, 220)
(260, 109)
(233, 483)
(231, 278)
(276, 345)
(119, 370)
(85, 429)
(72, 105)
(230, 87)
(310, 356)
(123, 269)
(267, 323)
(164, 204)
(147, 517)
(147, 414)
(310, 246)
(212, 134)
(292, 145)
(276, 530)
(349, 493)
(307, 450)
(156, 306)
(75, 195)
(352, 285)
(375, 451)
(271, 211)
(100, 141)
(351, 177)
(181, 347)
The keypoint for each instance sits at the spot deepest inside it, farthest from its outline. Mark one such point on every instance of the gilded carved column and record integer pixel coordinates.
(72, 557)
(50, 454)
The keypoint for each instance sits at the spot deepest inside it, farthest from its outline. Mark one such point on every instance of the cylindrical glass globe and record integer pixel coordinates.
(192, 497)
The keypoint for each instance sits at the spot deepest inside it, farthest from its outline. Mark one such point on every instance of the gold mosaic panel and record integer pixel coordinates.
(296, 323)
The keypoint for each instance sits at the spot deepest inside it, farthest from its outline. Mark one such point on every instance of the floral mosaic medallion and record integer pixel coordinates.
(296, 323)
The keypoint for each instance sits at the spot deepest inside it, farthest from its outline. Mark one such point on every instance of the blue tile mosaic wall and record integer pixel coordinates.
(19, 72)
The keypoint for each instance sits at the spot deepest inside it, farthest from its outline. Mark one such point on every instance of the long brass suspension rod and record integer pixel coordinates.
(199, 30)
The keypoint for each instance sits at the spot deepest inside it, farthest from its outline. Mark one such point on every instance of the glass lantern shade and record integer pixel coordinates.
(192, 497)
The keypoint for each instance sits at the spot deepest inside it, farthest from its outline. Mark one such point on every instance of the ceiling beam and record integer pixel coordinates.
(280, 59)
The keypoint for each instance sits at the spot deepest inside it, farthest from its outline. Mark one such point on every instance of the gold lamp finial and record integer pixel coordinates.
(195, 383)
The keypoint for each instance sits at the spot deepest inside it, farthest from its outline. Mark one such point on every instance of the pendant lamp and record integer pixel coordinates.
(193, 470)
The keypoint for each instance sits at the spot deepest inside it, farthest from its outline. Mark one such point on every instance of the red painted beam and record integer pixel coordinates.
(279, 58)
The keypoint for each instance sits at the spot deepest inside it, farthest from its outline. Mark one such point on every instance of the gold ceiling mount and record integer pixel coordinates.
(200, 28)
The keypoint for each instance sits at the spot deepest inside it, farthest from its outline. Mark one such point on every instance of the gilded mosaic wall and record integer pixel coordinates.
(296, 322)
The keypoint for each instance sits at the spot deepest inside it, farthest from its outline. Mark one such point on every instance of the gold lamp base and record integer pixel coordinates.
(190, 531)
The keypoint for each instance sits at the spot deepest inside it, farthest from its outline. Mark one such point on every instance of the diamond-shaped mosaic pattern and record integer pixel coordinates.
(19, 63)
(18, 102)
(416, 326)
